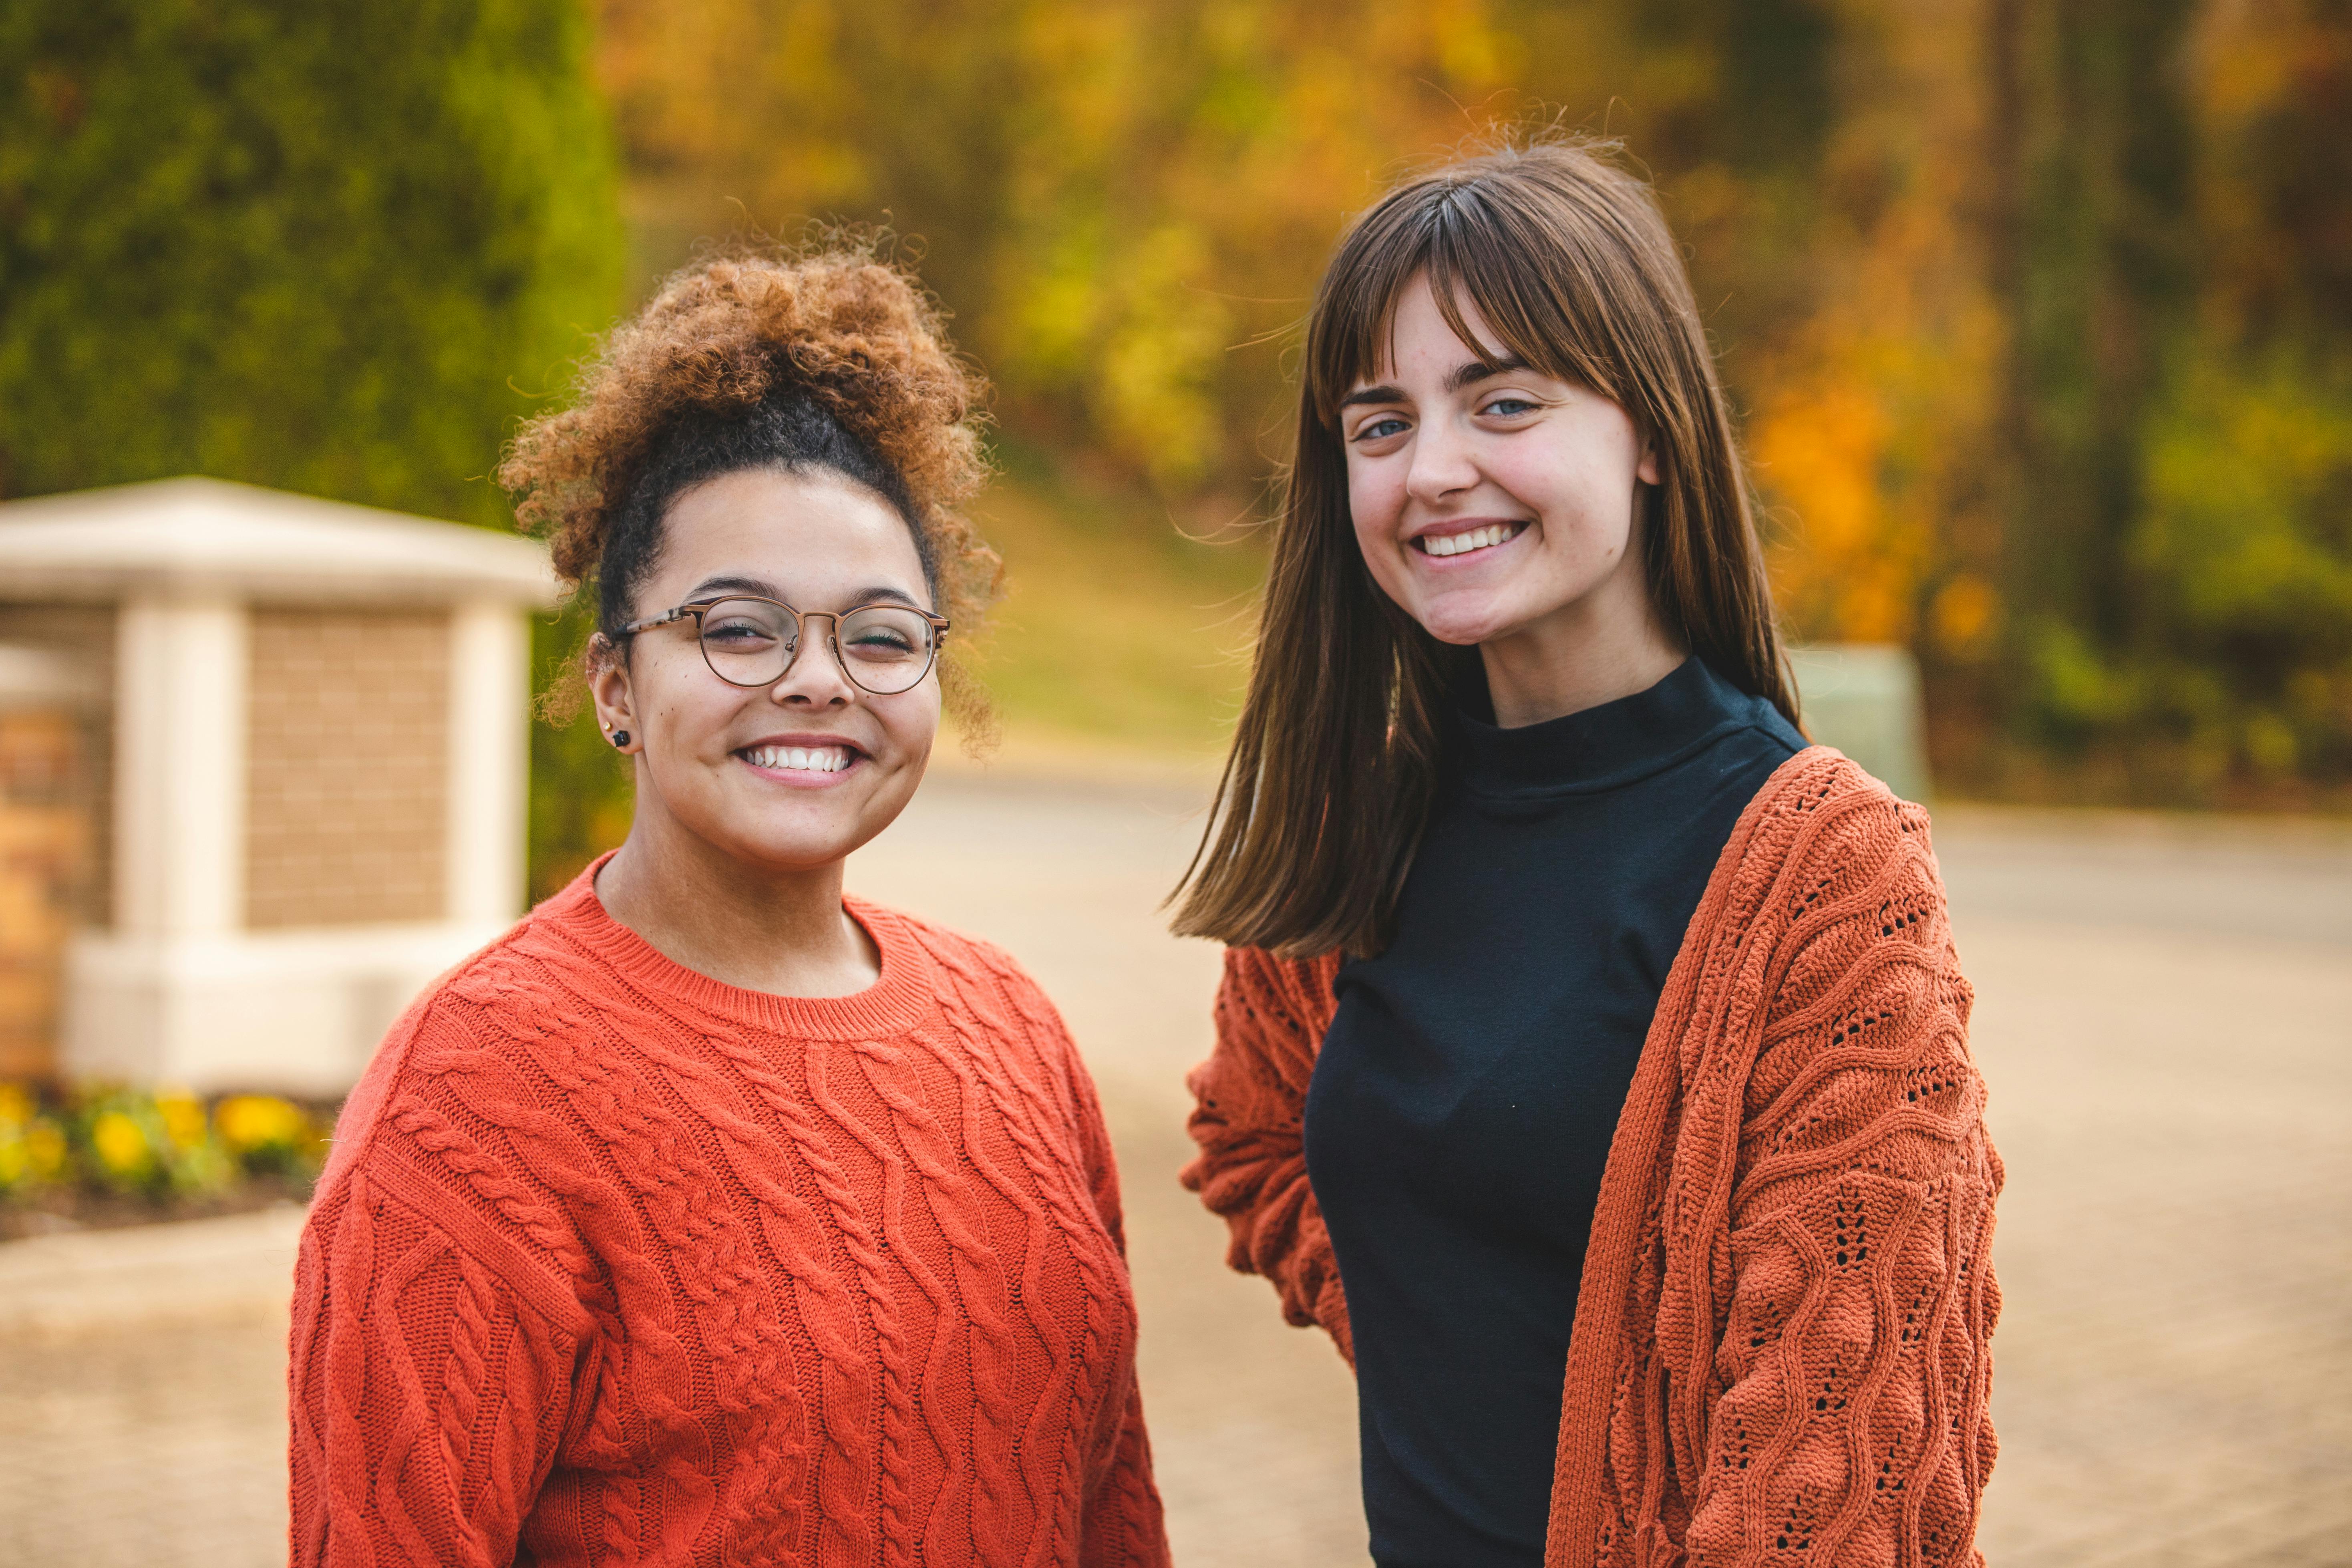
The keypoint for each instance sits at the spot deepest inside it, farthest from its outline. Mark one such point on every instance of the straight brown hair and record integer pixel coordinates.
(1334, 766)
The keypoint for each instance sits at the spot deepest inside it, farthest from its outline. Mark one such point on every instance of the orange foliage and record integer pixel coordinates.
(1872, 432)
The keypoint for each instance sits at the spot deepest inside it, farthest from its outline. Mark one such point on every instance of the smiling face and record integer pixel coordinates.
(792, 776)
(1497, 505)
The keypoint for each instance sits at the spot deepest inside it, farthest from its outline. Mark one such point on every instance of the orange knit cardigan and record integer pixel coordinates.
(1782, 1345)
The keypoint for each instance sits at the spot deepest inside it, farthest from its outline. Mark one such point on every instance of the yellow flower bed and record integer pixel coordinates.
(159, 1142)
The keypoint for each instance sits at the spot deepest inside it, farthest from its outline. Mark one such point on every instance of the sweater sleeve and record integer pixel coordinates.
(434, 1354)
(1843, 1364)
(1124, 1524)
(1249, 1117)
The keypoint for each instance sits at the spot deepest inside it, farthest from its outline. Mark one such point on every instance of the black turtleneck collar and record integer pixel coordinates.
(1606, 747)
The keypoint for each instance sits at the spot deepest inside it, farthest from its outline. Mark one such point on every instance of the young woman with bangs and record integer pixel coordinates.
(1592, 1053)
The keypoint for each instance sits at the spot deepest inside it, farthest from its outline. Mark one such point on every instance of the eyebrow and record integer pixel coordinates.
(762, 588)
(1479, 370)
(757, 585)
(1467, 373)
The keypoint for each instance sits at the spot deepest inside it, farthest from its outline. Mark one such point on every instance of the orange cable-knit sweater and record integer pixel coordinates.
(615, 1264)
(1780, 1352)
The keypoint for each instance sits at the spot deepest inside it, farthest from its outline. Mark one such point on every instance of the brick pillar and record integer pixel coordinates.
(45, 841)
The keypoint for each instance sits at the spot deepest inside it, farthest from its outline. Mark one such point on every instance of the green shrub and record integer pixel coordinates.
(324, 247)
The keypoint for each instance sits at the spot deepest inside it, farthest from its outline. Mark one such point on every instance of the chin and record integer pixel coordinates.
(1463, 626)
(794, 836)
(801, 848)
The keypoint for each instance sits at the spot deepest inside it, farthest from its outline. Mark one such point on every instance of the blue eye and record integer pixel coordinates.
(1381, 430)
(1508, 407)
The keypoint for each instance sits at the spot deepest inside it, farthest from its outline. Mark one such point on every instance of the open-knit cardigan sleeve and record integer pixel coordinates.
(1782, 1340)
(1249, 1119)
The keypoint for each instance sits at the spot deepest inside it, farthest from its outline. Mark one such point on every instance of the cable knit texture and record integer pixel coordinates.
(615, 1264)
(1781, 1347)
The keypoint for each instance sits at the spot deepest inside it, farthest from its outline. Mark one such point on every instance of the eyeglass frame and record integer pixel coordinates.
(697, 608)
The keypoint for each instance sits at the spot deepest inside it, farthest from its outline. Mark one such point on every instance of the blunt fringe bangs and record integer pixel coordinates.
(1566, 258)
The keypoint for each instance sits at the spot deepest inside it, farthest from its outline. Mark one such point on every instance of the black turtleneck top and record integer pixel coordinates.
(1466, 1092)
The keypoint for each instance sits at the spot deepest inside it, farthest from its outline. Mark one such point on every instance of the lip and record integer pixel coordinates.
(1453, 527)
(803, 778)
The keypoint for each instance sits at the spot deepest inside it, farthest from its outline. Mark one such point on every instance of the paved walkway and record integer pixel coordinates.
(2165, 1014)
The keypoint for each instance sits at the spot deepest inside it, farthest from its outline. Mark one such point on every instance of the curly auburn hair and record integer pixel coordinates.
(768, 358)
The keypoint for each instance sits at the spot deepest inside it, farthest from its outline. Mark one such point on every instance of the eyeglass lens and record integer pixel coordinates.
(885, 649)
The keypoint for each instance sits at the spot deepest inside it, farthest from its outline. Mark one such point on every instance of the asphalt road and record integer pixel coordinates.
(2165, 1014)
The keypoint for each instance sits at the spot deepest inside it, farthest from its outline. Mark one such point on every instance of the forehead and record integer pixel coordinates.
(812, 533)
(1421, 323)
(1430, 313)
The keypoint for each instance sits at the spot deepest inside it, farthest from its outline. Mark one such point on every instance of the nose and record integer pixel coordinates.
(815, 680)
(1441, 464)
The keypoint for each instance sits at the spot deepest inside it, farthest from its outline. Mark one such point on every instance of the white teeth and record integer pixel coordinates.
(1463, 543)
(806, 759)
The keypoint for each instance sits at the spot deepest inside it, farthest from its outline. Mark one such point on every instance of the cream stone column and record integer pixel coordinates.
(179, 768)
(489, 760)
(142, 1000)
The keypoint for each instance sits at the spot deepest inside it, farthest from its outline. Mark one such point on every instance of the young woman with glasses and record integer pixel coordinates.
(1591, 1056)
(710, 1215)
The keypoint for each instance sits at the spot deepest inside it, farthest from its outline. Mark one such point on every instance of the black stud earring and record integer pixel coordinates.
(620, 737)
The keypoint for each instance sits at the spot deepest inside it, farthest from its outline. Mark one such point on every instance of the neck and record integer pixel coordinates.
(754, 927)
(1608, 645)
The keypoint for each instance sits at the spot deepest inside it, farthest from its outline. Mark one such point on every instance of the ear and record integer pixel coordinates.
(608, 687)
(1646, 470)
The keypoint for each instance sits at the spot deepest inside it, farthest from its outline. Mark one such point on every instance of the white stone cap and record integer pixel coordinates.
(200, 538)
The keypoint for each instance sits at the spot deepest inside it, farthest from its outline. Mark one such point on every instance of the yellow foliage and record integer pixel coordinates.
(1116, 194)
(251, 1123)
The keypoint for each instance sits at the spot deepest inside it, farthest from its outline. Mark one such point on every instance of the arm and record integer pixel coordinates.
(428, 1394)
(1124, 1527)
(1840, 1353)
(1252, 1097)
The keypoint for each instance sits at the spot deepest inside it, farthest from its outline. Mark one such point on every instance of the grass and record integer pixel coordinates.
(1124, 626)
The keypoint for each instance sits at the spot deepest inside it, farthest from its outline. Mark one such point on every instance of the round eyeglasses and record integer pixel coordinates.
(747, 641)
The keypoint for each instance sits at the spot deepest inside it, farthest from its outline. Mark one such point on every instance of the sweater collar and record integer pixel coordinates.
(892, 1004)
(1600, 748)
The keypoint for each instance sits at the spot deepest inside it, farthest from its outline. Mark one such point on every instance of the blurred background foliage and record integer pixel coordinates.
(2038, 312)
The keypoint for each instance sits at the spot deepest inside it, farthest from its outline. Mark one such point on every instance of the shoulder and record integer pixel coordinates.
(1827, 876)
(981, 990)
(1820, 819)
(428, 1128)
(440, 1018)
(1833, 920)
(973, 969)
